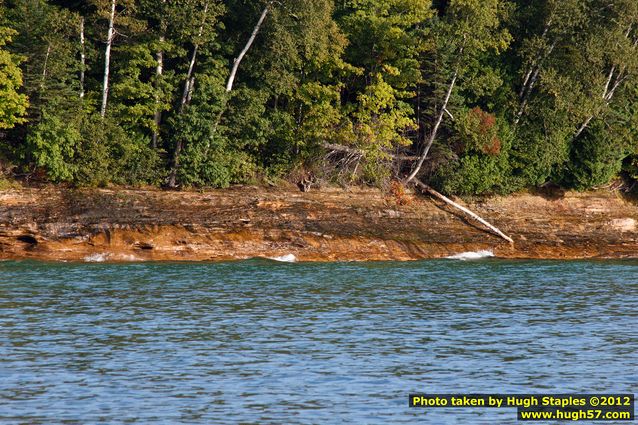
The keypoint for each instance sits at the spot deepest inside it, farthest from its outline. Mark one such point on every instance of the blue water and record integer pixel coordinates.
(264, 342)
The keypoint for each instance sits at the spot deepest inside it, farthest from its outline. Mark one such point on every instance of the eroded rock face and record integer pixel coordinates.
(326, 225)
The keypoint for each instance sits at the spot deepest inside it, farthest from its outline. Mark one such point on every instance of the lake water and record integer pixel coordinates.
(266, 342)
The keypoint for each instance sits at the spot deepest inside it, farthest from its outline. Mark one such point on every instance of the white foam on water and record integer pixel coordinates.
(472, 255)
(96, 258)
(288, 258)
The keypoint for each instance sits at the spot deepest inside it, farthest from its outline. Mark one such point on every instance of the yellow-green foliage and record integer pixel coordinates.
(13, 104)
(502, 94)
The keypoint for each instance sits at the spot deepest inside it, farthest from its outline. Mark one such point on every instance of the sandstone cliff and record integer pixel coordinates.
(123, 225)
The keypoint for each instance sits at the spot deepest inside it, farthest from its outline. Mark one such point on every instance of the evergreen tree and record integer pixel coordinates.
(487, 95)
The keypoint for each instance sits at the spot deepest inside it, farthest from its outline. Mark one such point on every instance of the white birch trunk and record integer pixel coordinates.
(434, 131)
(186, 96)
(530, 81)
(609, 90)
(583, 126)
(44, 68)
(82, 57)
(107, 59)
(189, 81)
(157, 118)
(233, 73)
(237, 61)
(188, 84)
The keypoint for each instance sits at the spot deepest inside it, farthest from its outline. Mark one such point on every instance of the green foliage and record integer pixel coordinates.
(386, 41)
(135, 96)
(378, 126)
(54, 144)
(540, 148)
(209, 158)
(368, 78)
(91, 151)
(13, 104)
(598, 157)
(481, 145)
(108, 154)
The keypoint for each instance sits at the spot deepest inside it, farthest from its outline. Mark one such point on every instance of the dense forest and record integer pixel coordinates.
(471, 96)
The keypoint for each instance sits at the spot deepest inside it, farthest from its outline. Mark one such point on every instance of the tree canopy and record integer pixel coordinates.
(471, 96)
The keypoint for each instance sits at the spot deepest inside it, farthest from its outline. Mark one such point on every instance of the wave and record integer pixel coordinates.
(96, 258)
(472, 255)
(288, 258)
(100, 258)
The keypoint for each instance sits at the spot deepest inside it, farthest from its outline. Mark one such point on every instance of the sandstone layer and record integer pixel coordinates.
(54, 223)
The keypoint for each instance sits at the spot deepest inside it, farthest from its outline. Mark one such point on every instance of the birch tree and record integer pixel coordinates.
(159, 70)
(550, 26)
(612, 60)
(467, 29)
(194, 21)
(107, 56)
(387, 38)
(118, 15)
(82, 57)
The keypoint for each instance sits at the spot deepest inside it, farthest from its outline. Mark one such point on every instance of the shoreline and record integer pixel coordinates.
(328, 224)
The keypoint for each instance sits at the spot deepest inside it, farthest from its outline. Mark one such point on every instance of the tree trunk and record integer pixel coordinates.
(82, 57)
(172, 179)
(531, 76)
(186, 95)
(188, 83)
(107, 59)
(448, 201)
(583, 126)
(530, 81)
(354, 151)
(233, 72)
(44, 68)
(157, 118)
(530, 71)
(610, 89)
(434, 131)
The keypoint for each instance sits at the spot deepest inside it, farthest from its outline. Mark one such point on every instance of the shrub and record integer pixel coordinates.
(596, 158)
(480, 144)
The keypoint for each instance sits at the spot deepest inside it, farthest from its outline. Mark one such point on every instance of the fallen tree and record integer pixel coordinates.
(424, 187)
(469, 213)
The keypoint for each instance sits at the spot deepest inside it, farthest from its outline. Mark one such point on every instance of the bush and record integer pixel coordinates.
(208, 159)
(53, 144)
(540, 148)
(481, 144)
(92, 151)
(108, 154)
(597, 158)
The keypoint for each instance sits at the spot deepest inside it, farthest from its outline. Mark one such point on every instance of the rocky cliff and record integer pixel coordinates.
(322, 225)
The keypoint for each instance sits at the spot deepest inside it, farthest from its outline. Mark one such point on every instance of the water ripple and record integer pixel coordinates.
(259, 341)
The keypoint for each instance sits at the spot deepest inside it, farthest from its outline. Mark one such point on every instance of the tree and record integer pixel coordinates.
(465, 30)
(119, 17)
(13, 104)
(611, 59)
(195, 22)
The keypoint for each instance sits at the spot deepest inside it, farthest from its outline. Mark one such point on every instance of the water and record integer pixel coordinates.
(266, 342)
